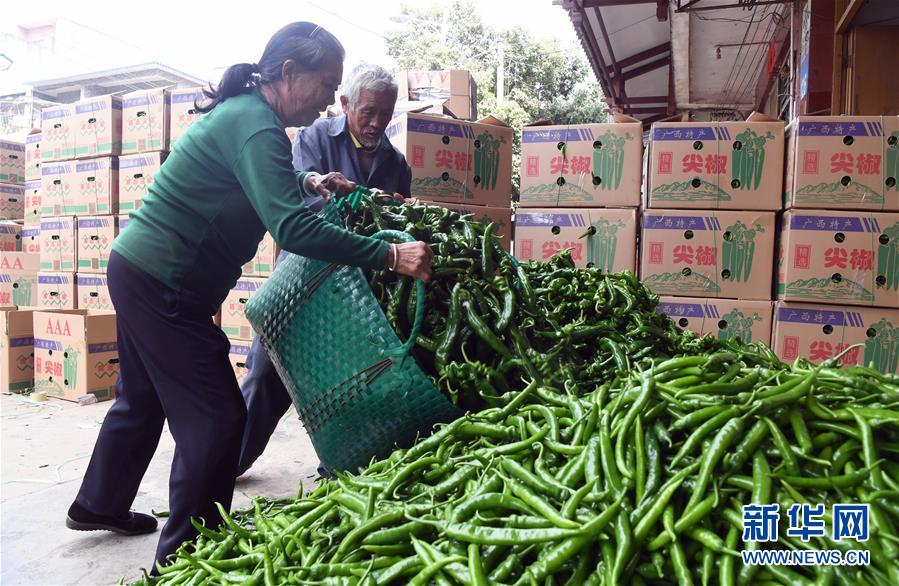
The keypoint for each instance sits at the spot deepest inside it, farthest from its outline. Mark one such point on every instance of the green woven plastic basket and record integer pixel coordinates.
(356, 388)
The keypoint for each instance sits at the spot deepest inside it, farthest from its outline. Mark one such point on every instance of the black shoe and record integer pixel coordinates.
(80, 519)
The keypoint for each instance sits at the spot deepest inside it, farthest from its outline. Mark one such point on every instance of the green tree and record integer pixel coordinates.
(543, 79)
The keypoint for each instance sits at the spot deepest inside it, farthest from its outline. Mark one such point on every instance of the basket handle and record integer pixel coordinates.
(420, 292)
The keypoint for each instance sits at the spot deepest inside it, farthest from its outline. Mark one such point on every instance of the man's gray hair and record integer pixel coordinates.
(373, 78)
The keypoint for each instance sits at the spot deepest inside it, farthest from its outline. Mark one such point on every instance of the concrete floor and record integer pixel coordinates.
(45, 450)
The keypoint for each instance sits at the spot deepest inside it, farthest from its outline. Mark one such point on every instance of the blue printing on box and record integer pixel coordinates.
(57, 225)
(681, 223)
(48, 170)
(20, 342)
(32, 232)
(680, 309)
(182, 98)
(36, 184)
(61, 113)
(52, 280)
(243, 285)
(90, 281)
(104, 347)
(12, 189)
(48, 345)
(831, 223)
(688, 133)
(536, 220)
(142, 161)
(556, 135)
(33, 138)
(840, 128)
(242, 350)
(13, 146)
(820, 316)
(93, 222)
(7, 229)
(145, 100)
(113, 163)
(459, 130)
(98, 106)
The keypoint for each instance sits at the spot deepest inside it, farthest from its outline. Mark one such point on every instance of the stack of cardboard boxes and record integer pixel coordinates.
(91, 161)
(707, 240)
(838, 258)
(454, 92)
(464, 166)
(580, 191)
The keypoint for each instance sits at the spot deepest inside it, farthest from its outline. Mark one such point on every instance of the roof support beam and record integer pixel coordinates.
(604, 3)
(643, 69)
(848, 15)
(644, 55)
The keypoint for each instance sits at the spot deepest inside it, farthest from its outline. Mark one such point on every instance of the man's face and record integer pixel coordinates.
(370, 118)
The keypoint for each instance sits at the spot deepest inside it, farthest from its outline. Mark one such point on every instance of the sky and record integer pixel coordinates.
(201, 37)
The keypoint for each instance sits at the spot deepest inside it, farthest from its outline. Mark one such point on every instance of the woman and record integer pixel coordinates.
(228, 180)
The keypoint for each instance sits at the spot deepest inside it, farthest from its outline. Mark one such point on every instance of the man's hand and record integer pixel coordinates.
(326, 185)
(412, 259)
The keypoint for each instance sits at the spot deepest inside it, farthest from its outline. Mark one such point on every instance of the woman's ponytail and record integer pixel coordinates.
(238, 79)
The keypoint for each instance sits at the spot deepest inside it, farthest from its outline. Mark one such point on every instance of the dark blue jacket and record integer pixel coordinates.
(327, 146)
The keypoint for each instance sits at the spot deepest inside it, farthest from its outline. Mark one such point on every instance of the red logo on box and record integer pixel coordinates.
(802, 256)
(665, 163)
(418, 156)
(810, 162)
(656, 252)
(533, 166)
(791, 348)
(527, 249)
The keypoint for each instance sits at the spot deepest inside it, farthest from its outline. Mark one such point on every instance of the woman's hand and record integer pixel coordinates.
(412, 259)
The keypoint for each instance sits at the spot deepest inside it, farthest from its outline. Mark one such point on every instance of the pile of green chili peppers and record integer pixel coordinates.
(490, 319)
(598, 459)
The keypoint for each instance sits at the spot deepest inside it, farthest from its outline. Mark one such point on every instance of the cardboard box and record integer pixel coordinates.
(183, 111)
(98, 187)
(16, 350)
(263, 264)
(58, 133)
(18, 279)
(12, 202)
(455, 88)
(751, 321)
(234, 322)
(31, 240)
(582, 165)
(135, 176)
(501, 216)
(720, 165)
(719, 254)
(33, 194)
(10, 237)
(93, 292)
(240, 349)
(455, 161)
(75, 354)
(59, 244)
(56, 290)
(604, 238)
(95, 236)
(820, 332)
(844, 162)
(59, 188)
(146, 121)
(33, 156)
(839, 257)
(98, 127)
(12, 162)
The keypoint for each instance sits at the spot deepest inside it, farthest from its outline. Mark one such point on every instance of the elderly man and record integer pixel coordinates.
(353, 145)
